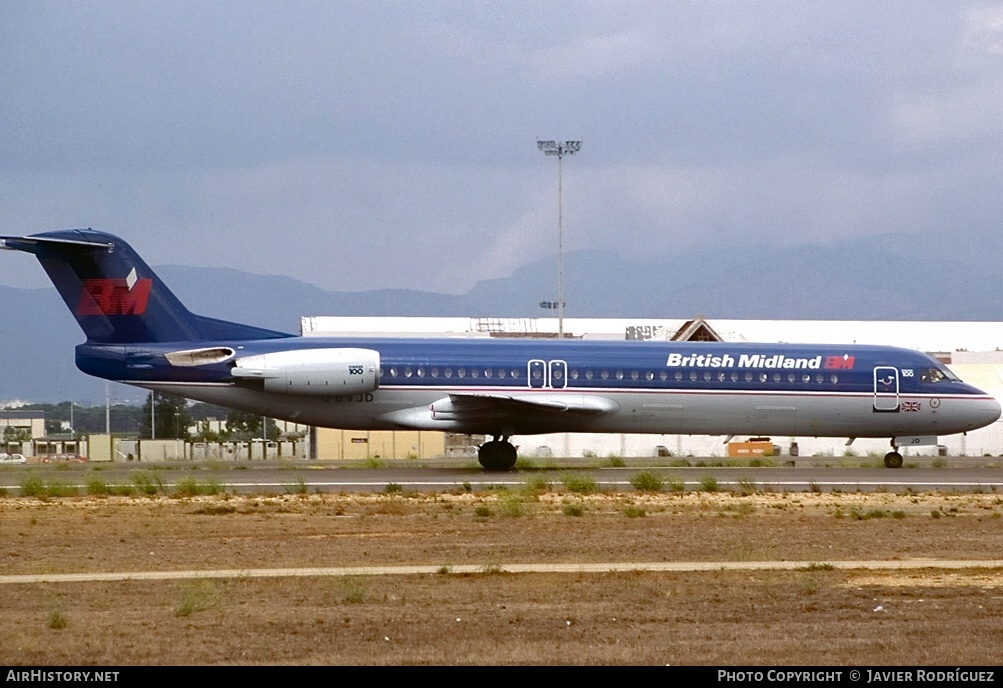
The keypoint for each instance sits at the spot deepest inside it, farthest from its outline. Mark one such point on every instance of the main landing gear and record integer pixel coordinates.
(497, 455)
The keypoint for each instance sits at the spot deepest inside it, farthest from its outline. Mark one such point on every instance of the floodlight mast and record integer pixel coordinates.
(559, 149)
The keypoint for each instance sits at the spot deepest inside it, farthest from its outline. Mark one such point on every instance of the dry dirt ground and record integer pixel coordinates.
(813, 615)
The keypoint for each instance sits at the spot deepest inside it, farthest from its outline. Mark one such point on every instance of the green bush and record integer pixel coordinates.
(580, 484)
(708, 483)
(646, 481)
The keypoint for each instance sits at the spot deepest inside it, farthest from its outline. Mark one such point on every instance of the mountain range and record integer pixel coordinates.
(889, 277)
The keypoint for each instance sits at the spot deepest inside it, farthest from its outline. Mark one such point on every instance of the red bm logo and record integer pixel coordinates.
(844, 362)
(114, 296)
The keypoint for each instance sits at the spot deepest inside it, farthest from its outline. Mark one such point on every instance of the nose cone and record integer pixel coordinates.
(990, 411)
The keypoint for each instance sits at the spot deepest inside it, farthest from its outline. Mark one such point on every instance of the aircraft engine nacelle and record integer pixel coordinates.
(313, 371)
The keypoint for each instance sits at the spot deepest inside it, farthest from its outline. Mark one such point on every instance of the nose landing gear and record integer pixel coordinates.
(893, 459)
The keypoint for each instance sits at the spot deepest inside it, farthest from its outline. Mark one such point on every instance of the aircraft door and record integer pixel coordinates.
(886, 388)
(537, 374)
(552, 374)
(558, 374)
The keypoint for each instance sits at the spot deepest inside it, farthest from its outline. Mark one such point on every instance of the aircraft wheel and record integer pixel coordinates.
(497, 455)
(893, 460)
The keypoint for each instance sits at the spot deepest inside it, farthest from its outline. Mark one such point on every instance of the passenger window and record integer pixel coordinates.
(588, 374)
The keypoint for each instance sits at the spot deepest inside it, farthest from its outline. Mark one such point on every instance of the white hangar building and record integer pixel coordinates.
(971, 349)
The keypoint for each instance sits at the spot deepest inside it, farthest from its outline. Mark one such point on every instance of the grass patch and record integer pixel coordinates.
(298, 486)
(482, 511)
(614, 461)
(192, 487)
(634, 512)
(216, 509)
(197, 596)
(97, 487)
(675, 485)
(580, 484)
(573, 510)
(393, 488)
(57, 619)
(708, 483)
(512, 505)
(646, 481)
(535, 485)
(34, 485)
(147, 482)
(354, 589)
(858, 515)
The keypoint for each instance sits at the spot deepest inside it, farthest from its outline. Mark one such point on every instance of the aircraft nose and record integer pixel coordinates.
(992, 411)
(984, 413)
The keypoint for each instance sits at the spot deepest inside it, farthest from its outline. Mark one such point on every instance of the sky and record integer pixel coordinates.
(375, 144)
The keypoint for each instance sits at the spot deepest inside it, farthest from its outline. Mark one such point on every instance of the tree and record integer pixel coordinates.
(245, 426)
(170, 413)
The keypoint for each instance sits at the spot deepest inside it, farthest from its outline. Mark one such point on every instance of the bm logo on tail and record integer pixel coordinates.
(106, 296)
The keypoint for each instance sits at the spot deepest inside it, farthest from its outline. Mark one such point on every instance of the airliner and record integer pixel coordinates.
(139, 333)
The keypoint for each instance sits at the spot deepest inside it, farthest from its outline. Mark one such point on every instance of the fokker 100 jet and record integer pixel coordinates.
(140, 334)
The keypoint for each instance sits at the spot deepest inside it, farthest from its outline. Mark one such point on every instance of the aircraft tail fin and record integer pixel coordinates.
(115, 296)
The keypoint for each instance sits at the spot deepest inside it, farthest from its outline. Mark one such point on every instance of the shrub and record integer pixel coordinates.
(708, 483)
(633, 512)
(32, 485)
(573, 510)
(580, 484)
(96, 486)
(646, 481)
(146, 482)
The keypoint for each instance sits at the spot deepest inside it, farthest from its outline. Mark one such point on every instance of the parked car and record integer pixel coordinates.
(12, 458)
(64, 458)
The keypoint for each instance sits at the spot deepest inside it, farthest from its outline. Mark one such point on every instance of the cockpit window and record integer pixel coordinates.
(934, 375)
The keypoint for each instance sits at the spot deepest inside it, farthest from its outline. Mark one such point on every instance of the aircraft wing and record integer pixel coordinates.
(484, 406)
(471, 412)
